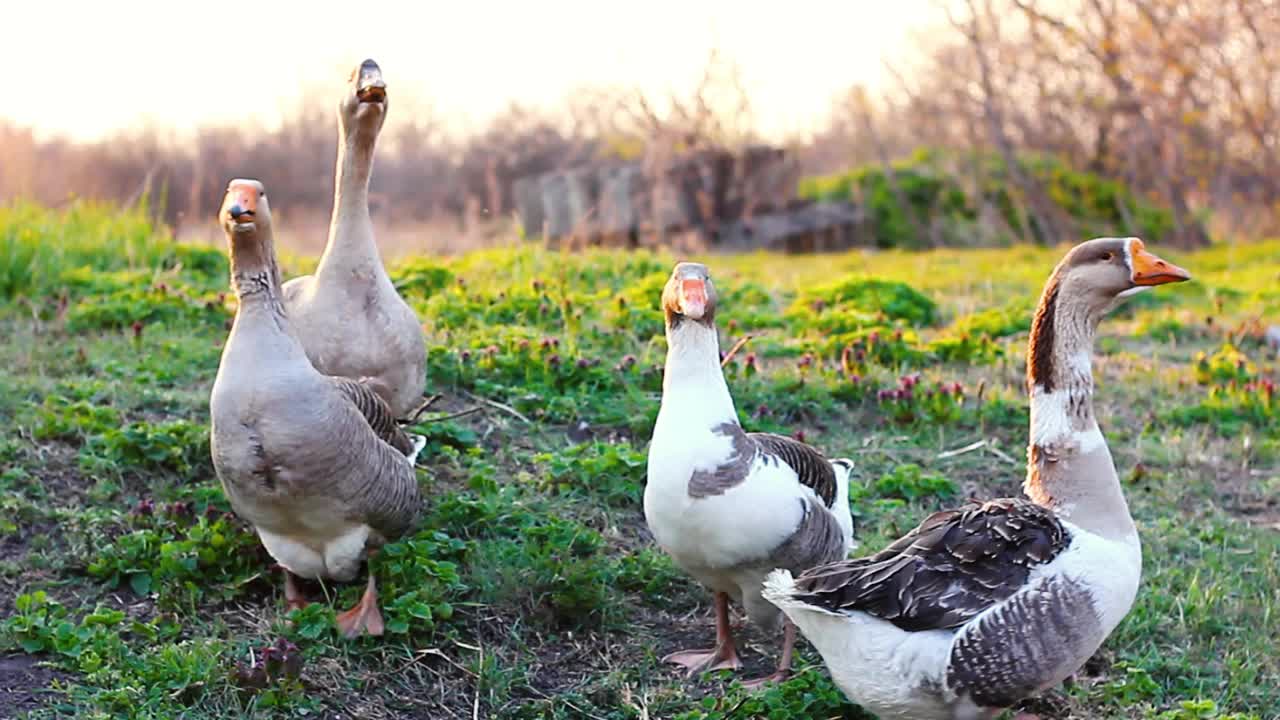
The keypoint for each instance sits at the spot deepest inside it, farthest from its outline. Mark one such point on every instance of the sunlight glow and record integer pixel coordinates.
(90, 69)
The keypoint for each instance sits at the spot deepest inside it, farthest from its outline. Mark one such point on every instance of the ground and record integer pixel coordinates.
(532, 588)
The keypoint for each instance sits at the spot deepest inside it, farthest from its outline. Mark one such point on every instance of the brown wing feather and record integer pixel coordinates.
(812, 467)
(375, 410)
(956, 564)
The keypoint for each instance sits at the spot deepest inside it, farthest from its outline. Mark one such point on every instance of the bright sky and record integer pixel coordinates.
(85, 69)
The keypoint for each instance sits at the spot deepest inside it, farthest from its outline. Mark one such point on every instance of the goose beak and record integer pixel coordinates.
(370, 87)
(693, 297)
(1149, 269)
(243, 207)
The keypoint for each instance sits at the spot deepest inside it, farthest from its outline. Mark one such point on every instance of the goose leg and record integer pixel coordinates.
(293, 598)
(784, 662)
(724, 656)
(365, 617)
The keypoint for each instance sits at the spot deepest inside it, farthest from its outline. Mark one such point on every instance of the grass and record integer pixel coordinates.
(532, 589)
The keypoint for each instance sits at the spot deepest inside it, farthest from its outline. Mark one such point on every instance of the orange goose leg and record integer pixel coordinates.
(293, 598)
(724, 656)
(365, 617)
(784, 663)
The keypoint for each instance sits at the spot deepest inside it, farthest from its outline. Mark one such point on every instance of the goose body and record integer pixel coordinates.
(728, 537)
(984, 605)
(964, 651)
(315, 463)
(730, 506)
(348, 316)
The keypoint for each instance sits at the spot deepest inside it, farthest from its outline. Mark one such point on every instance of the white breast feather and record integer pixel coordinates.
(1111, 570)
(296, 557)
(717, 531)
(340, 557)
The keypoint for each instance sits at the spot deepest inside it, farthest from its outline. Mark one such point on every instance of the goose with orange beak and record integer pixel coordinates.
(315, 463)
(984, 605)
(348, 315)
(730, 506)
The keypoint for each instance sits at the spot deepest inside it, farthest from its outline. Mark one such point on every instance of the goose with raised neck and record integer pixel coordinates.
(727, 505)
(315, 463)
(348, 315)
(984, 605)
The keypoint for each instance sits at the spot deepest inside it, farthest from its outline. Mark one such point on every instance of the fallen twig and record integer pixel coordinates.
(475, 704)
(426, 405)
(736, 347)
(1000, 454)
(961, 451)
(451, 416)
(495, 404)
(436, 652)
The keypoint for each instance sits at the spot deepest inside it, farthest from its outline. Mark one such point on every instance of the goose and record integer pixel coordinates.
(317, 464)
(348, 315)
(730, 506)
(981, 606)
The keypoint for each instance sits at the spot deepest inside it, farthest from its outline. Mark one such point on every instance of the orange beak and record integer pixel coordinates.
(244, 202)
(1148, 269)
(693, 297)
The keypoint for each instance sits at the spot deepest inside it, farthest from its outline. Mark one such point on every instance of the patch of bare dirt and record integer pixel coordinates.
(25, 685)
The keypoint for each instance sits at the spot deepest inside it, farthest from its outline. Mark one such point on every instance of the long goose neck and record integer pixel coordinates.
(255, 279)
(351, 245)
(1069, 466)
(693, 385)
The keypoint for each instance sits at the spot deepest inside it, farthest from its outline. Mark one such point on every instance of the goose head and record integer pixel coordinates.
(690, 295)
(245, 216)
(363, 107)
(245, 211)
(1102, 271)
(1091, 279)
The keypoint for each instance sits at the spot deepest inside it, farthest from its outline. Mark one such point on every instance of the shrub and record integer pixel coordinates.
(140, 306)
(178, 445)
(420, 277)
(179, 555)
(1227, 365)
(555, 569)
(38, 245)
(860, 302)
(939, 202)
(420, 580)
(612, 472)
(909, 482)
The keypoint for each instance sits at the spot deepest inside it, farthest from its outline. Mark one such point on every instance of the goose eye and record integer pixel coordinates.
(1106, 256)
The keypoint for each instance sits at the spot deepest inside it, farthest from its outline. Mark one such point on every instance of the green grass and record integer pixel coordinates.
(532, 589)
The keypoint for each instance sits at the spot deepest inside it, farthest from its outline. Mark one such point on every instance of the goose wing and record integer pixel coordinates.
(812, 468)
(948, 570)
(365, 397)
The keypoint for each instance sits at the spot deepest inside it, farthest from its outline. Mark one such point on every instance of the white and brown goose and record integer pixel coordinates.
(731, 506)
(315, 463)
(982, 606)
(348, 315)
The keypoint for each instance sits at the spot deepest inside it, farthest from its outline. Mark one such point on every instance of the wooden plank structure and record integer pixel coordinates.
(698, 200)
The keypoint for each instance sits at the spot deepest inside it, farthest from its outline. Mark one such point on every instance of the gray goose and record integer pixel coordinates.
(348, 315)
(315, 463)
(984, 605)
(730, 506)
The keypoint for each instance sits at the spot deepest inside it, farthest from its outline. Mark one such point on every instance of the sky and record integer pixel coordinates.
(86, 70)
